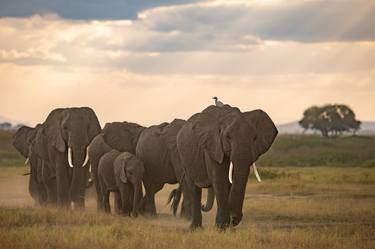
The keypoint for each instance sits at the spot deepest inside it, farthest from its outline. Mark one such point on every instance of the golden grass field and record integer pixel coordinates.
(316, 207)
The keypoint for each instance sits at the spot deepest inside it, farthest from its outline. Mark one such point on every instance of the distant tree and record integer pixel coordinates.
(5, 126)
(330, 120)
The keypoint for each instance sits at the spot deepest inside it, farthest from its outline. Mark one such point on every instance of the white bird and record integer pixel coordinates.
(218, 102)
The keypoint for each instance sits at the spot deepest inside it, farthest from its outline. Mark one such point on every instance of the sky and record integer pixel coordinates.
(152, 61)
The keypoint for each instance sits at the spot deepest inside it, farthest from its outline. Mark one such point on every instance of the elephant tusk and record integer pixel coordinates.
(230, 175)
(27, 161)
(90, 168)
(86, 158)
(256, 173)
(70, 157)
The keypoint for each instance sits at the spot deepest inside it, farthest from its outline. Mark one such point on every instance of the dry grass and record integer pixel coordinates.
(292, 208)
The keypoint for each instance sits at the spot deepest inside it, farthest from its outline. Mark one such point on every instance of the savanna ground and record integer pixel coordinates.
(294, 207)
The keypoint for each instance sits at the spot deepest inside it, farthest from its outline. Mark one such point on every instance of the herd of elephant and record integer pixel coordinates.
(213, 149)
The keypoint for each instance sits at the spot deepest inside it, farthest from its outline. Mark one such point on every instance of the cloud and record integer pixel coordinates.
(82, 9)
(302, 21)
(147, 46)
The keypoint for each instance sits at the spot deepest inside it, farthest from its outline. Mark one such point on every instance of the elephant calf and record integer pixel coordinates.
(121, 172)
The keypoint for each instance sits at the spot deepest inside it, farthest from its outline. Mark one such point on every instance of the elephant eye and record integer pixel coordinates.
(228, 137)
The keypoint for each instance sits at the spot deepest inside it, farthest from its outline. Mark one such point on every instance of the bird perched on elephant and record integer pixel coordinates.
(65, 136)
(157, 149)
(23, 141)
(208, 142)
(121, 172)
(122, 136)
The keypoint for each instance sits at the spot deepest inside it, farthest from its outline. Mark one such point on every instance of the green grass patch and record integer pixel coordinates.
(289, 150)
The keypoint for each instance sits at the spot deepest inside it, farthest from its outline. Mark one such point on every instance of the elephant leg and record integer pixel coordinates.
(196, 195)
(126, 208)
(221, 186)
(186, 210)
(105, 199)
(118, 203)
(62, 188)
(99, 201)
(49, 182)
(50, 186)
(43, 193)
(149, 199)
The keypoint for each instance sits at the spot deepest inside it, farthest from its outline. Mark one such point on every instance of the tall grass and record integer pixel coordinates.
(319, 207)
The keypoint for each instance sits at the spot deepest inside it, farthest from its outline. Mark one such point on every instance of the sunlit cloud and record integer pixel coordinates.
(168, 60)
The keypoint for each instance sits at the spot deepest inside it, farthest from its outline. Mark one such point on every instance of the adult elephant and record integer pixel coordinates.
(67, 132)
(208, 142)
(157, 149)
(23, 141)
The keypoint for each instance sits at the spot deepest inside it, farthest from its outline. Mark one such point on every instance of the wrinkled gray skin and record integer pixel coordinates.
(23, 141)
(157, 149)
(121, 172)
(122, 136)
(208, 142)
(68, 128)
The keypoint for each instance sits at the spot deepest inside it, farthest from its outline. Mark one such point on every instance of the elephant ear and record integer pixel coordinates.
(120, 168)
(20, 140)
(94, 125)
(123, 176)
(41, 144)
(208, 133)
(52, 129)
(265, 128)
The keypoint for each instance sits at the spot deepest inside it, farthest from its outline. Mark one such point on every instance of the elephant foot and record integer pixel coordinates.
(195, 227)
(222, 222)
(186, 215)
(235, 220)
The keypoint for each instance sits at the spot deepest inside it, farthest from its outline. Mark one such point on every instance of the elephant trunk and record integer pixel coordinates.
(78, 186)
(137, 197)
(210, 200)
(237, 192)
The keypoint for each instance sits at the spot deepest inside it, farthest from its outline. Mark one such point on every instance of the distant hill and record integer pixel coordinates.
(367, 128)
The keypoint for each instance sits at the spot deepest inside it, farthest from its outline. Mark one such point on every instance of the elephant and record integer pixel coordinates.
(122, 136)
(23, 141)
(96, 150)
(62, 142)
(208, 143)
(157, 149)
(121, 172)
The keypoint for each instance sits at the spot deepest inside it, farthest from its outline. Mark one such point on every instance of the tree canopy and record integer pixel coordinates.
(330, 120)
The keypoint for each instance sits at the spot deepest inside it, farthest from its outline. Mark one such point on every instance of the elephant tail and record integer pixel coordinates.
(210, 200)
(174, 198)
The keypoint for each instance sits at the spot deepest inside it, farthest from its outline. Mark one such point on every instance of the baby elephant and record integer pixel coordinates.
(121, 172)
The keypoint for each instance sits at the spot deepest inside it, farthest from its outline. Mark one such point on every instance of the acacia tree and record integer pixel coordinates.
(330, 120)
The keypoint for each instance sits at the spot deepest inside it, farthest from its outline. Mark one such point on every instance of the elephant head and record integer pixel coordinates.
(22, 140)
(68, 132)
(129, 170)
(228, 135)
(122, 136)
